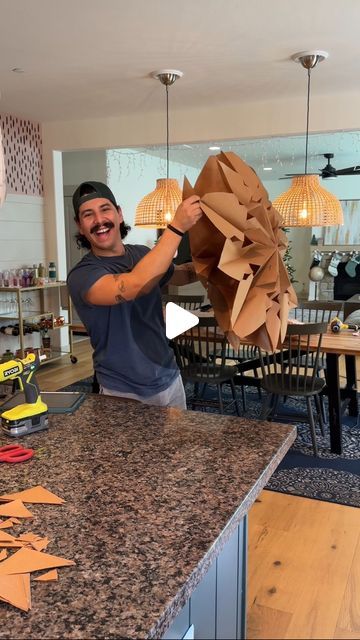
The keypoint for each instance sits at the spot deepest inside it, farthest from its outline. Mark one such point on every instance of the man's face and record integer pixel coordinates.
(99, 221)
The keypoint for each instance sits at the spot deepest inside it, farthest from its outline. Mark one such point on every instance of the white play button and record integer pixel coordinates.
(178, 320)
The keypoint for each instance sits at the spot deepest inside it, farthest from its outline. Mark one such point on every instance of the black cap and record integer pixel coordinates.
(90, 190)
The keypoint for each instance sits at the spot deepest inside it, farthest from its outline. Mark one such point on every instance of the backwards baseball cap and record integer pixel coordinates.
(89, 191)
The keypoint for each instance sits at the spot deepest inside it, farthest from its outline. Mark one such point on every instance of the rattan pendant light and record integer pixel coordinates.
(157, 209)
(307, 203)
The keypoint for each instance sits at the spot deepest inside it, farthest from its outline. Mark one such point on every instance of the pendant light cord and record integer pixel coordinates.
(167, 130)
(307, 122)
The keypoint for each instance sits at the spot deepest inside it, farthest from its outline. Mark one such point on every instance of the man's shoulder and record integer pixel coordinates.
(141, 249)
(86, 260)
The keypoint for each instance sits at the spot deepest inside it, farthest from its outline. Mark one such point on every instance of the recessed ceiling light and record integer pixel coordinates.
(214, 148)
(267, 168)
(17, 70)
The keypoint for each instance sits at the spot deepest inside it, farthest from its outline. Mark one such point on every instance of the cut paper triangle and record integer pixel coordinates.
(15, 590)
(178, 320)
(6, 524)
(15, 508)
(40, 544)
(35, 495)
(6, 537)
(49, 575)
(3, 554)
(29, 537)
(27, 560)
(15, 520)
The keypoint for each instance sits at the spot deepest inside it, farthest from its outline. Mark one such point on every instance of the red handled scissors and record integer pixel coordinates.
(15, 453)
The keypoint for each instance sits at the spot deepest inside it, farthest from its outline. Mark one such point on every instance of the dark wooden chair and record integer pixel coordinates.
(201, 357)
(292, 371)
(246, 360)
(189, 302)
(318, 310)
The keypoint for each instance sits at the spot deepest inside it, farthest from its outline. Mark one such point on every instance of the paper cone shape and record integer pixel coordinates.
(237, 249)
(27, 560)
(34, 495)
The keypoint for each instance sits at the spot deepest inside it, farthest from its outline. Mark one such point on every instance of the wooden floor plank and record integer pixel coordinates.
(349, 616)
(267, 623)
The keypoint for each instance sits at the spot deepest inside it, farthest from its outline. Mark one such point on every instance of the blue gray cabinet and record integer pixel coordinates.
(217, 606)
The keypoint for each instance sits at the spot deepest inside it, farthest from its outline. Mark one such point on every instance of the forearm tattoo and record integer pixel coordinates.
(121, 287)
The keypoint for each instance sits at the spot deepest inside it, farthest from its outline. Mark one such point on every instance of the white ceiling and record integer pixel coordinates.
(85, 59)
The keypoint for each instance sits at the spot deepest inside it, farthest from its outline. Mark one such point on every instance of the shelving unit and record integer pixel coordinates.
(21, 316)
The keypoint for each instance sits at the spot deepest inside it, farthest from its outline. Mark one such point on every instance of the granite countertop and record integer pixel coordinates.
(152, 495)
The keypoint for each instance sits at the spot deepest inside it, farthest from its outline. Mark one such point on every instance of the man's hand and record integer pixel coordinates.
(187, 214)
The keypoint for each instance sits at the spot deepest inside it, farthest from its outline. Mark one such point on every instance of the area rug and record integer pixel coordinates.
(329, 477)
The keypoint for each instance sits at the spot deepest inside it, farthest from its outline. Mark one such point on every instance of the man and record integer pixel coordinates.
(116, 290)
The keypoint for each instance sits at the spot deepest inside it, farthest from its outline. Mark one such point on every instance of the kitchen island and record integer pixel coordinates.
(155, 519)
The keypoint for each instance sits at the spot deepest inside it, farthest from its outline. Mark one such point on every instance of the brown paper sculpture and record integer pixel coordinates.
(237, 249)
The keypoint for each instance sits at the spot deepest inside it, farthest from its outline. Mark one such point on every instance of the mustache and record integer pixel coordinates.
(96, 227)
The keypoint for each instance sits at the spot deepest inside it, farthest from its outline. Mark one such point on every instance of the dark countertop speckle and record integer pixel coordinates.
(151, 495)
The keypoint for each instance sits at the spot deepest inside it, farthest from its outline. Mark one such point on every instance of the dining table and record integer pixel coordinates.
(334, 345)
(345, 343)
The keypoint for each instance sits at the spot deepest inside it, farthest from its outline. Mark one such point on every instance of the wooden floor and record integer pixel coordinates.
(304, 555)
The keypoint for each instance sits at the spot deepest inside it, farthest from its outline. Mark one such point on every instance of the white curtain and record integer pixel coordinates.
(2, 173)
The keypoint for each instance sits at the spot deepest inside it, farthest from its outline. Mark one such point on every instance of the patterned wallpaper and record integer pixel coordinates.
(23, 155)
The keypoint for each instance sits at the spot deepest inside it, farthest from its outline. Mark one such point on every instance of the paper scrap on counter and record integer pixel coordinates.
(237, 249)
(34, 495)
(15, 520)
(27, 560)
(15, 508)
(28, 537)
(49, 575)
(6, 524)
(3, 554)
(40, 544)
(7, 540)
(15, 590)
(6, 537)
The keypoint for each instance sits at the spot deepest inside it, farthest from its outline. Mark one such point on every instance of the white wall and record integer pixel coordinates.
(22, 237)
(79, 166)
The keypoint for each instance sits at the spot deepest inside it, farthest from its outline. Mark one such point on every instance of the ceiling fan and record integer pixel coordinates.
(329, 171)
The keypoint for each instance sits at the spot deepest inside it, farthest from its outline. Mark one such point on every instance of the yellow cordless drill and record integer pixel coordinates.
(32, 415)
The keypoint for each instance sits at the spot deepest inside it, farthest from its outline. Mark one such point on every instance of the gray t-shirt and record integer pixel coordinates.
(131, 351)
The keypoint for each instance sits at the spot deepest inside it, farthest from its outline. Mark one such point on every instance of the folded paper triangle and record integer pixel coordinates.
(27, 560)
(3, 554)
(34, 495)
(15, 508)
(6, 524)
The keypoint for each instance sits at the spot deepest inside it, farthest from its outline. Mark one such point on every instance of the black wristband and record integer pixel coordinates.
(179, 233)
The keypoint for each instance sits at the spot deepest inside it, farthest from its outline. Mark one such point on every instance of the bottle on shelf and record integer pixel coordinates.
(7, 355)
(41, 274)
(6, 278)
(35, 272)
(52, 272)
